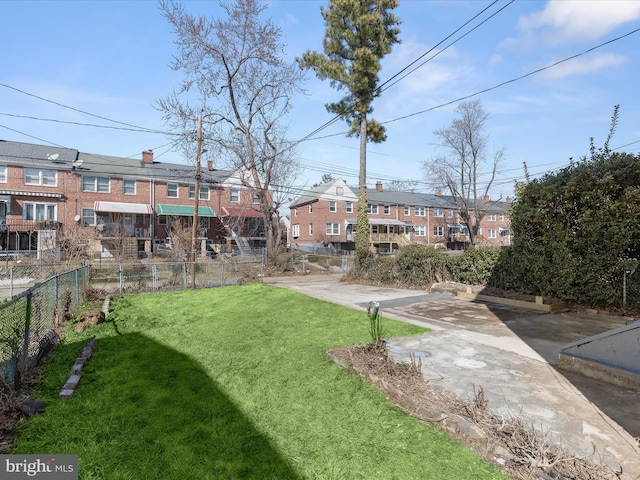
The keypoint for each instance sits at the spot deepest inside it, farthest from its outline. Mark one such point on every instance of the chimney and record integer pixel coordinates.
(508, 199)
(209, 165)
(438, 192)
(486, 198)
(379, 186)
(147, 156)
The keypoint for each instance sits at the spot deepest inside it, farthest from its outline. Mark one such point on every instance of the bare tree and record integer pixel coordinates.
(402, 185)
(466, 171)
(237, 81)
(74, 241)
(326, 178)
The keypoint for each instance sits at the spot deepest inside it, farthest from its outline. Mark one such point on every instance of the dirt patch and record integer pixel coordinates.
(14, 406)
(509, 443)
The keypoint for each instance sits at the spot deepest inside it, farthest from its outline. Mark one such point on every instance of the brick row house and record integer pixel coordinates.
(113, 205)
(326, 215)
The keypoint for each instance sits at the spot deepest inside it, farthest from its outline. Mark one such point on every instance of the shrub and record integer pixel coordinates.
(420, 265)
(475, 266)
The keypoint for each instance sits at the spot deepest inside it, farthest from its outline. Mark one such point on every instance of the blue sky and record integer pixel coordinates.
(110, 58)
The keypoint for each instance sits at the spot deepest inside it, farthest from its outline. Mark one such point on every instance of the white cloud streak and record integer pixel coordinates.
(570, 20)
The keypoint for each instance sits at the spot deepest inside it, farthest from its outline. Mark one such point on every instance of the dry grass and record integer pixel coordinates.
(11, 402)
(516, 447)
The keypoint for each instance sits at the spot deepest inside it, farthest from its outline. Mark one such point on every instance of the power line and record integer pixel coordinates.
(131, 129)
(514, 79)
(77, 109)
(31, 136)
(445, 48)
(381, 89)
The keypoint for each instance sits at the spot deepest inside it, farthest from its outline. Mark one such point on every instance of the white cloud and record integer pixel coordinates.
(584, 65)
(423, 77)
(564, 20)
(289, 20)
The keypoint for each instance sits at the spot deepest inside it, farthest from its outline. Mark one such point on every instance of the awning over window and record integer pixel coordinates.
(240, 212)
(380, 221)
(25, 193)
(121, 207)
(386, 221)
(183, 210)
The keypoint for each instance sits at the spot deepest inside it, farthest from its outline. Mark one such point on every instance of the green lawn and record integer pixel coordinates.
(233, 383)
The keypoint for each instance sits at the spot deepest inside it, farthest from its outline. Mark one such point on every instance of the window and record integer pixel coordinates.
(502, 217)
(37, 176)
(204, 222)
(162, 220)
(204, 192)
(407, 211)
(371, 208)
(450, 213)
(234, 195)
(438, 231)
(88, 216)
(349, 207)
(311, 229)
(255, 198)
(339, 191)
(295, 212)
(480, 231)
(95, 184)
(420, 231)
(332, 207)
(296, 230)
(332, 229)
(438, 212)
(491, 217)
(3, 174)
(387, 210)
(129, 187)
(311, 208)
(492, 233)
(420, 211)
(39, 211)
(172, 190)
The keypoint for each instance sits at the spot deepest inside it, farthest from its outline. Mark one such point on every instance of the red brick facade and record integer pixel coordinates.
(44, 192)
(322, 216)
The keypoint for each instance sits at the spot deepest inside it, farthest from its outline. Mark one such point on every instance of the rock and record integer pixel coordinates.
(32, 407)
(457, 424)
(90, 318)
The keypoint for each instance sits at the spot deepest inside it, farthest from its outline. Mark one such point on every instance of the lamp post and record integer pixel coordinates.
(194, 230)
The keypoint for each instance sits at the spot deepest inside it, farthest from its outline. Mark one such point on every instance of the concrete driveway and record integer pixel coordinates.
(512, 354)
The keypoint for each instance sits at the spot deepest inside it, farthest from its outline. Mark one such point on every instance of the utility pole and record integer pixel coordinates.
(194, 230)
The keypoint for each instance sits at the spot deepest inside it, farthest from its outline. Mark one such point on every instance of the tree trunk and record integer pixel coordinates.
(362, 222)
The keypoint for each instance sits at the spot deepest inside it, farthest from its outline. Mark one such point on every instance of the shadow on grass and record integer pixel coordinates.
(143, 410)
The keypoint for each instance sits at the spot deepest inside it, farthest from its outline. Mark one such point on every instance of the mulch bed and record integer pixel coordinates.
(508, 443)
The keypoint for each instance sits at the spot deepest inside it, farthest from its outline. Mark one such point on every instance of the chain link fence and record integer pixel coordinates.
(29, 322)
(115, 279)
(15, 279)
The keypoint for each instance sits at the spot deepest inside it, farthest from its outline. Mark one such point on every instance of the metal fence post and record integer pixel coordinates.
(25, 344)
(56, 298)
(185, 280)
(154, 274)
(10, 281)
(121, 275)
(77, 284)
